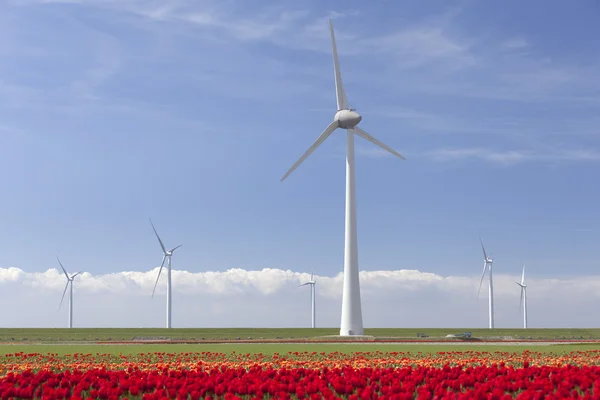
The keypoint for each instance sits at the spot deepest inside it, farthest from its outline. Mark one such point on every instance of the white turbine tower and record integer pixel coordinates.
(69, 282)
(523, 304)
(488, 265)
(347, 118)
(313, 288)
(166, 257)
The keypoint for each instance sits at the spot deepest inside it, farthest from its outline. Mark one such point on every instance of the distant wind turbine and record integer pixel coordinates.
(346, 118)
(69, 282)
(488, 265)
(523, 303)
(166, 257)
(313, 288)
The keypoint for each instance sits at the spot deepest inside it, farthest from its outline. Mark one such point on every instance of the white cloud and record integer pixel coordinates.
(271, 297)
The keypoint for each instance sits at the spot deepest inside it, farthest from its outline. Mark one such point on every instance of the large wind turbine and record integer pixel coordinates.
(69, 282)
(166, 257)
(347, 118)
(313, 288)
(523, 304)
(488, 265)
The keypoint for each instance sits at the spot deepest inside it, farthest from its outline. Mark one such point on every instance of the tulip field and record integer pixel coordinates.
(372, 372)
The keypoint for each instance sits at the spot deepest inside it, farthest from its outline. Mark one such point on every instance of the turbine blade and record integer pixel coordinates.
(521, 303)
(328, 131)
(63, 268)
(63, 296)
(74, 275)
(371, 139)
(523, 275)
(340, 94)
(483, 248)
(175, 248)
(158, 277)
(482, 276)
(304, 284)
(162, 246)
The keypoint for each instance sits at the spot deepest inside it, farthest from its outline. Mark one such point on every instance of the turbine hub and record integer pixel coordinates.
(347, 118)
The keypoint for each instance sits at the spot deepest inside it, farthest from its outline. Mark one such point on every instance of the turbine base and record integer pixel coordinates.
(352, 332)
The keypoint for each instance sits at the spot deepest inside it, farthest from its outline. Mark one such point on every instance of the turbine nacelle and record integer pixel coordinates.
(312, 281)
(73, 276)
(347, 119)
(169, 253)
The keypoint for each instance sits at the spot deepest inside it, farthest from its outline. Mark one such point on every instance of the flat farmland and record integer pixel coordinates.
(208, 334)
(285, 348)
(60, 364)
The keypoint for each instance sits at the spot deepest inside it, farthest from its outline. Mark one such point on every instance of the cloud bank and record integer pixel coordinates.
(272, 298)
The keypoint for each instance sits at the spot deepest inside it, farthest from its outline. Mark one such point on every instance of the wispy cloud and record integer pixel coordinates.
(106, 62)
(445, 59)
(515, 43)
(513, 157)
(432, 56)
(61, 1)
(262, 27)
(413, 47)
(442, 122)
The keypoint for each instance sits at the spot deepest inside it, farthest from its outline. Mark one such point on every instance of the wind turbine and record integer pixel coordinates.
(488, 265)
(69, 282)
(523, 303)
(346, 118)
(313, 288)
(166, 257)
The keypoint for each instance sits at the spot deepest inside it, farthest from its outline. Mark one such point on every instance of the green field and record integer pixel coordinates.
(118, 334)
(266, 348)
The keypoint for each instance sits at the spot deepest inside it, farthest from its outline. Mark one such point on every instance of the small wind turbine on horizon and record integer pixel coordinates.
(488, 266)
(523, 302)
(167, 254)
(346, 118)
(313, 288)
(69, 282)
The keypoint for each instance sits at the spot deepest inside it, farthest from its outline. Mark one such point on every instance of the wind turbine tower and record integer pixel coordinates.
(69, 282)
(313, 288)
(523, 304)
(488, 266)
(167, 254)
(347, 118)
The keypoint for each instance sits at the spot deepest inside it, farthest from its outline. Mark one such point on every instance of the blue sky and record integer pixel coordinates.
(112, 112)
